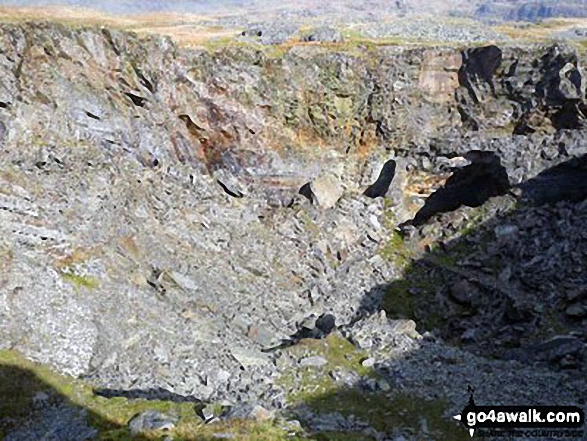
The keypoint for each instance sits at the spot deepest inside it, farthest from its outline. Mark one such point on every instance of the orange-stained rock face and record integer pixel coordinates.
(438, 76)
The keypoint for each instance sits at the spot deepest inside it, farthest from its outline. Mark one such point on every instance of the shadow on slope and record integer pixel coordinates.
(33, 409)
(471, 185)
(505, 280)
(510, 273)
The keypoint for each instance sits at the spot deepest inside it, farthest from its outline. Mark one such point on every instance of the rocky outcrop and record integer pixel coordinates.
(546, 95)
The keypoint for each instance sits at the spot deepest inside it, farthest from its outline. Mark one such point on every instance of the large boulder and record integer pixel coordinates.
(326, 190)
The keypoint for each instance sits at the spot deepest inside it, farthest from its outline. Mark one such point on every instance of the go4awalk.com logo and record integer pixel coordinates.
(553, 422)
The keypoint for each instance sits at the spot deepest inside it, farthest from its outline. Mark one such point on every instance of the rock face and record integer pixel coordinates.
(479, 67)
(556, 102)
(151, 232)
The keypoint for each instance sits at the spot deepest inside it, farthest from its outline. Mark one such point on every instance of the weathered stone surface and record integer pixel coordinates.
(326, 191)
(315, 361)
(151, 420)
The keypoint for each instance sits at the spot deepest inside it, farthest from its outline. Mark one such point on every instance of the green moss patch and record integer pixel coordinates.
(385, 412)
(81, 281)
(315, 381)
(395, 251)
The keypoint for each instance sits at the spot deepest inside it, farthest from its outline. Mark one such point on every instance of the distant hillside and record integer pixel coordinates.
(532, 11)
(516, 10)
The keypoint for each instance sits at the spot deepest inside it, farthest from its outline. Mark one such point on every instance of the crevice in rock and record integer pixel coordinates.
(144, 81)
(91, 115)
(381, 186)
(468, 122)
(306, 191)
(471, 185)
(570, 116)
(106, 33)
(192, 127)
(229, 192)
(479, 65)
(137, 100)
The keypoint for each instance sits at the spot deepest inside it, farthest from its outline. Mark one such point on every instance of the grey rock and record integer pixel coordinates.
(323, 35)
(462, 292)
(327, 190)
(132, 188)
(559, 347)
(345, 377)
(249, 358)
(259, 413)
(151, 420)
(225, 435)
(314, 361)
(206, 413)
(576, 311)
(368, 363)
(383, 385)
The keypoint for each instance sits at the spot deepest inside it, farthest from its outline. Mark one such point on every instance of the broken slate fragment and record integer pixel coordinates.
(249, 358)
(315, 361)
(151, 420)
(326, 191)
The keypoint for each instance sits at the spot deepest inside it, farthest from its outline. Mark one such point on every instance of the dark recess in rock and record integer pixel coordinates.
(471, 185)
(561, 79)
(570, 116)
(107, 34)
(146, 83)
(137, 100)
(479, 65)
(323, 326)
(468, 122)
(2, 131)
(91, 115)
(381, 186)
(229, 192)
(192, 127)
(306, 191)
